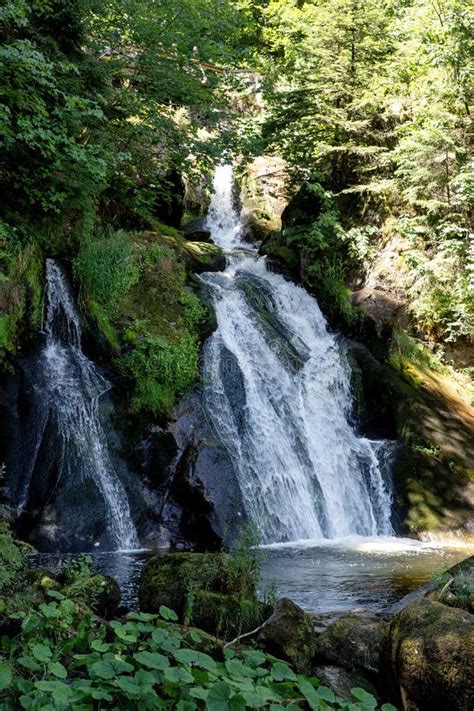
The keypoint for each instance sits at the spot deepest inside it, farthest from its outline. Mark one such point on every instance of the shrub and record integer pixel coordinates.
(106, 268)
(147, 661)
(160, 371)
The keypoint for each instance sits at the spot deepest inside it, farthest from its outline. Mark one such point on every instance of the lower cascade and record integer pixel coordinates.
(277, 392)
(66, 390)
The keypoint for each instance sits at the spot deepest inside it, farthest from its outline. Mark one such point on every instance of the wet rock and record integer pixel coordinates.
(204, 590)
(170, 209)
(352, 642)
(341, 681)
(196, 230)
(203, 257)
(204, 484)
(427, 656)
(289, 634)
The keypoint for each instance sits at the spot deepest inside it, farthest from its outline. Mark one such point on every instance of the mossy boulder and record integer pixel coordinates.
(289, 634)
(352, 642)
(203, 257)
(99, 592)
(41, 579)
(263, 196)
(204, 589)
(456, 587)
(196, 230)
(427, 656)
(407, 400)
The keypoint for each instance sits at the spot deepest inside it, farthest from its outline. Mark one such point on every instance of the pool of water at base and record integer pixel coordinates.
(331, 576)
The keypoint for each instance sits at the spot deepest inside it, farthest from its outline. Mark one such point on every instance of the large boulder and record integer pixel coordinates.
(203, 257)
(99, 592)
(456, 587)
(352, 642)
(289, 634)
(204, 484)
(196, 230)
(208, 590)
(427, 657)
(263, 197)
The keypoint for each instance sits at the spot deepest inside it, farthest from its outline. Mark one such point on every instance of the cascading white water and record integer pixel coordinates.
(73, 387)
(222, 219)
(302, 469)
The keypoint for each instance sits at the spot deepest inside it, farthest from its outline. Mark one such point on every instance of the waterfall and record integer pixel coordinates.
(68, 399)
(303, 470)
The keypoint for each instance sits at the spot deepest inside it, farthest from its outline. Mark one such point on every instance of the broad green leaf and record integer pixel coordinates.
(129, 686)
(41, 652)
(326, 694)
(218, 697)
(178, 675)
(5, 676)
(366, 698)
(58, 670)
(309, 692)
(103, 669)
(192, 656)
(168, 614)
(152, 660)
(282, 672)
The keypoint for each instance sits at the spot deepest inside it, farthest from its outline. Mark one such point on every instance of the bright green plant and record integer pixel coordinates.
(150, 662)
(160, 371)
(106, 268)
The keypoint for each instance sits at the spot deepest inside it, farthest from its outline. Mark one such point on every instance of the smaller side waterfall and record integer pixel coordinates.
(67, 389)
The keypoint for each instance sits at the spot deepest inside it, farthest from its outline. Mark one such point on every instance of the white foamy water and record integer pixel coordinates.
(277, 393)
(73, 387)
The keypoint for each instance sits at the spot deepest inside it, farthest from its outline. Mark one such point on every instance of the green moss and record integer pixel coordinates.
(5, 332)
(202, 590)
(166, 230)
(103, 323)
(21, 294)
(11, 562)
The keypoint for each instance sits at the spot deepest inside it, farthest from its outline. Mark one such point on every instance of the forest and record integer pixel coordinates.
(236, 317)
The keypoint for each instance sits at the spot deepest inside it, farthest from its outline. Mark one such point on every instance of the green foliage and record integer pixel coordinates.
(11, 562)
(106, 268)
(148, 661)
(160, 371)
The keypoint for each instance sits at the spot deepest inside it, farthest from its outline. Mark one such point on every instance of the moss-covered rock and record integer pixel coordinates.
(21, 293)
(432, 472)
(41, 579)
(428, 657)
(203, 589)
(352, 642)
(289, 634)
(456, 587)
(263, 197)
(101, 593)
(203, 257)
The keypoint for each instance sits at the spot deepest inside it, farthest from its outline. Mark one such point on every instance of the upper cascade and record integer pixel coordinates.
(223, 219)
(278, 395)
